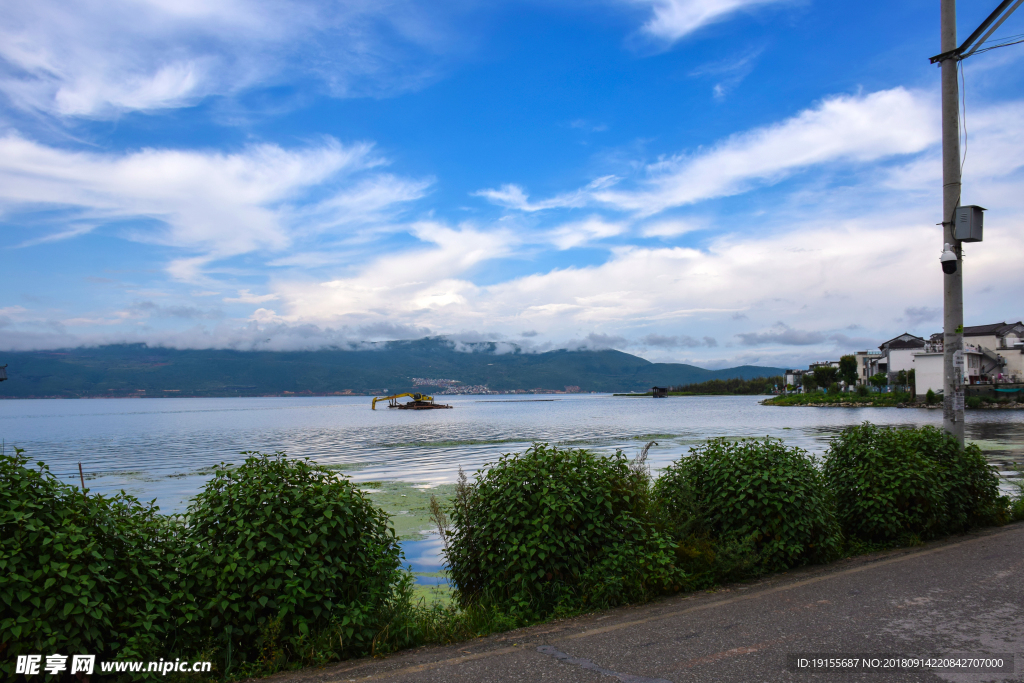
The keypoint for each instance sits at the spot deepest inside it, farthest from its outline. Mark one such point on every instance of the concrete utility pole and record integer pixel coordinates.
(953, 283)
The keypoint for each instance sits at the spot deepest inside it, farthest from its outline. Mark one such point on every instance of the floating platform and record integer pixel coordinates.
(418, 402)
(418, 405)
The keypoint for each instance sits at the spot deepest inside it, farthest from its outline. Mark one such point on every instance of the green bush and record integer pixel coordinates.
(862, 390)
(891, 484)
(930, 397)
(1017, 500)
(556, 530)
(81, 573)
(974, 402)
(825, 376)
(282, 551)
(756, 499)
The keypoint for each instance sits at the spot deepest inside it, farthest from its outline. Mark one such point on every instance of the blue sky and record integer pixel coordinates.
(708, 181)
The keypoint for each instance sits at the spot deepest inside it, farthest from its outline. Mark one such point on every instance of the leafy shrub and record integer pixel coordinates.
(283, 552)
(833, 388)
(763, 503)
(825, 376)
(974, 402)
(892, 483)
(848, 369)
(930, 397)
(1017, 501)
(555, 529)
(81, 573)
(862, 390)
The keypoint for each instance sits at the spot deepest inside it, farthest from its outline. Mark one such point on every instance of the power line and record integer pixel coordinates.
(976, 39)
(994, 47)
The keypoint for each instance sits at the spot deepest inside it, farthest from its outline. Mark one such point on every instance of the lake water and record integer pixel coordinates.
(162, 448)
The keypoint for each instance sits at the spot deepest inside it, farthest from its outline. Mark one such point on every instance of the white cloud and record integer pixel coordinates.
(97, 58)
(670, 228)
(673, 19)
(673, 297)
(406, 287)
(851, 128)
(845, 128)
(915, 315)
(588, 126)
(581, 233)
(676, 341)
(212, 203)
(514, 197)
(783, 334)
(247, 297)
(598, 342)
(812, 263)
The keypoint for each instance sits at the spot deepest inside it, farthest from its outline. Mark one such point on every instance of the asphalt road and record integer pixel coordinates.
(962, 596)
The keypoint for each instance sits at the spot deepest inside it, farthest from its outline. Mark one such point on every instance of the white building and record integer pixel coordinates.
(928, 367)
(795, 379)
(899, 354)
(867, 364)
(1002, 345)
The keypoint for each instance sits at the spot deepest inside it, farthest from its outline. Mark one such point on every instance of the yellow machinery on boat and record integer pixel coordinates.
(418, 402)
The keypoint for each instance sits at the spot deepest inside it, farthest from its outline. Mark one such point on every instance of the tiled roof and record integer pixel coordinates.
(904, 341)
(997, 329)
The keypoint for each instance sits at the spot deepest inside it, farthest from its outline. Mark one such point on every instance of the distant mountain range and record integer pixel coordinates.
(397, 366)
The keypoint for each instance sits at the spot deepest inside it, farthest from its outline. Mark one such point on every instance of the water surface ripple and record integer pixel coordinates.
(163, 448)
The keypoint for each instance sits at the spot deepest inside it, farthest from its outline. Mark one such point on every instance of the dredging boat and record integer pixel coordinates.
(418, 402)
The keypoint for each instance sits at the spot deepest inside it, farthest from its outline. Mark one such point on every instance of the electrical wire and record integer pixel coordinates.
(962, 109)
(994, 47)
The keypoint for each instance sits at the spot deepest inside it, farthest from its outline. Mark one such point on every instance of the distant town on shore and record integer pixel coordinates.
(993, 359)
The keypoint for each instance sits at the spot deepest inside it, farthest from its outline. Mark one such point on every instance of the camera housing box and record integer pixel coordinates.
(969, 223)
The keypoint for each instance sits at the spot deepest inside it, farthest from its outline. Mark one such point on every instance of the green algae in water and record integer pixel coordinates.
(447, 444)
(431, 594)
(407, 504)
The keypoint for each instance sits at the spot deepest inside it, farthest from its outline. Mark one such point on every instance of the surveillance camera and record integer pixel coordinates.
(948, 260)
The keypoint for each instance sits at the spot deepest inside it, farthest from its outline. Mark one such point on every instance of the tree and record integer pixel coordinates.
(848, 370)
(912, 382)
(879, 381)
(809, 383)
(825, 375)
(901, 379)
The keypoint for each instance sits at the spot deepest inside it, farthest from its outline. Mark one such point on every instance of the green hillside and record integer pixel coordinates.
(137, 369)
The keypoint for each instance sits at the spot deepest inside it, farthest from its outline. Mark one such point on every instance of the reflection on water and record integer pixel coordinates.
(163, 449)
(425, 559)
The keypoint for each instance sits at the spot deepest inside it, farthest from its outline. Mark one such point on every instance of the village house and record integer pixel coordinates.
(795, 378)
(1002, 344)
(868, 364)
(898, 354)
(993, 354)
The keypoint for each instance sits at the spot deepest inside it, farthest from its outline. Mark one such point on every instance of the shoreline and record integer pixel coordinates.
(919, 406)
